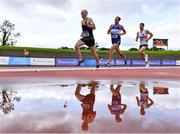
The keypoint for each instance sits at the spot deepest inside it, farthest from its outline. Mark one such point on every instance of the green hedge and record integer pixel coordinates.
(177, 52)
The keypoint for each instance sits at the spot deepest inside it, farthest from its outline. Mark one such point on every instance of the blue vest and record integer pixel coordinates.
(115, 33)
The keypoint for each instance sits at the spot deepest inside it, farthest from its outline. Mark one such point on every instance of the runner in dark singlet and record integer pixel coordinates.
(88, 114)
(88, 26)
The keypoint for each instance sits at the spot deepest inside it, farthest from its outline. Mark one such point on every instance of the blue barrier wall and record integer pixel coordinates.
(66, 62)
(26, 61)
(155, 62)
(168, 63)
(122, 63)
(141, 63)
(19, 61)
(137, 63)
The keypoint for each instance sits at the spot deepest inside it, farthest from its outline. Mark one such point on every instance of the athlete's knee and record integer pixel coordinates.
(93, 51)
(117, 49)
(112, 48)
(77, 46)
(140, 52)
(116, 46)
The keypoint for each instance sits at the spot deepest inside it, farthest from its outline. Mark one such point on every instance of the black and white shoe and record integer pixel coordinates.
(98, 65)
(146, 64)
(125, 61)
(146, 58)
(79, 63)
(107, 65)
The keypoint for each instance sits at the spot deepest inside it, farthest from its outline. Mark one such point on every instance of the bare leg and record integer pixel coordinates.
(77, 93)
(115, 91)
(111, 51)
(93, 52)
(112, 88)
(78, 44)
(93, 87)
(141, 52)
(120, 53)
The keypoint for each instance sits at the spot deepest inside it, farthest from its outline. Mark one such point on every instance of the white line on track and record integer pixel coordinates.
(38, 69)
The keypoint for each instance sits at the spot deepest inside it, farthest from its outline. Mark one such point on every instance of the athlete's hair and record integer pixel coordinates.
(142, 24)
(84, 11)
(119, 18)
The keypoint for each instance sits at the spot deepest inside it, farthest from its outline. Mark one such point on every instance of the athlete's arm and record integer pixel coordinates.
(151, 35)
(110, 108)
(109, 30)
(90, 23)
(123, 31)
(137, 100)
(124, 107)
(137, 36)
(151, 102)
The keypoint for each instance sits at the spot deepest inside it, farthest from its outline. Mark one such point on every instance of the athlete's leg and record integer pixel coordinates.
(77, 93)
(78, 44)
(141, 52)
(111, 51)
(119, 52)
(93, 52)
(117, 89)
(112, 88)
(93, 87)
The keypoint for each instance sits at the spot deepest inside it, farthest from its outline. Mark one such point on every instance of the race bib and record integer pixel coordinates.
(85, 34)
(114, 36)
(115, 31)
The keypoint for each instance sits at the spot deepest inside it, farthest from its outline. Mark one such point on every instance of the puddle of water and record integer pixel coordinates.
(68, 105)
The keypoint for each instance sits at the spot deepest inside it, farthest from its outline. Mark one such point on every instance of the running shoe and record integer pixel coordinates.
(146, 64)
(79, 63)
(146, 58)
(97, 66)
(125, 61)
(107, 65)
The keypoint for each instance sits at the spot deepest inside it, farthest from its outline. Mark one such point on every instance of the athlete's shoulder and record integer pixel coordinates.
(90, 20)
(82, 21)
(121, 26)
(146, 31)
(112, 26)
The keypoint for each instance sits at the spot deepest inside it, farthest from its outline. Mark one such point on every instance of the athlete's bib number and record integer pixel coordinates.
(85, 34)
(114, 36)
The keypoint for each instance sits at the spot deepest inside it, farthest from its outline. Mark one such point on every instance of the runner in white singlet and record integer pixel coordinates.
(143, 37)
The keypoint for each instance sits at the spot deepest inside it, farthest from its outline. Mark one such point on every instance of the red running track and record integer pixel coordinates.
(128, 72)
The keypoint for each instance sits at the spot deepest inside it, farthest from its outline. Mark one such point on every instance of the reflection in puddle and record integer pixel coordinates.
(116, 107)
(57, 105)
(88, 114)
(6, 103)
(144, 101)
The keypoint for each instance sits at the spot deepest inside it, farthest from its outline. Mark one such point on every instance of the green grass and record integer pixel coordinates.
(177, 52)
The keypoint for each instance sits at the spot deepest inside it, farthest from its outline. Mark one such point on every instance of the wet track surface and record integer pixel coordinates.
(42, 104)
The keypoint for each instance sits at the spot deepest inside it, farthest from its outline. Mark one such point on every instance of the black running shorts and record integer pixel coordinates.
(89, 41)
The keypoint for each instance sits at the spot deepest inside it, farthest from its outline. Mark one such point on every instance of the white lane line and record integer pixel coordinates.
(38, 69)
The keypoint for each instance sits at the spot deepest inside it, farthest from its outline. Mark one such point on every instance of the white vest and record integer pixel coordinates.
(142, 37)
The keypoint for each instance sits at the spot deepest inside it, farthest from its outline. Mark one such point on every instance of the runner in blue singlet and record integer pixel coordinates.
(115, 31)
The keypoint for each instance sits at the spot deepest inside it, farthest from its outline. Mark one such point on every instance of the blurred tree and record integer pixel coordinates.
(133, 49)
(8, 38)
(157, 49)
